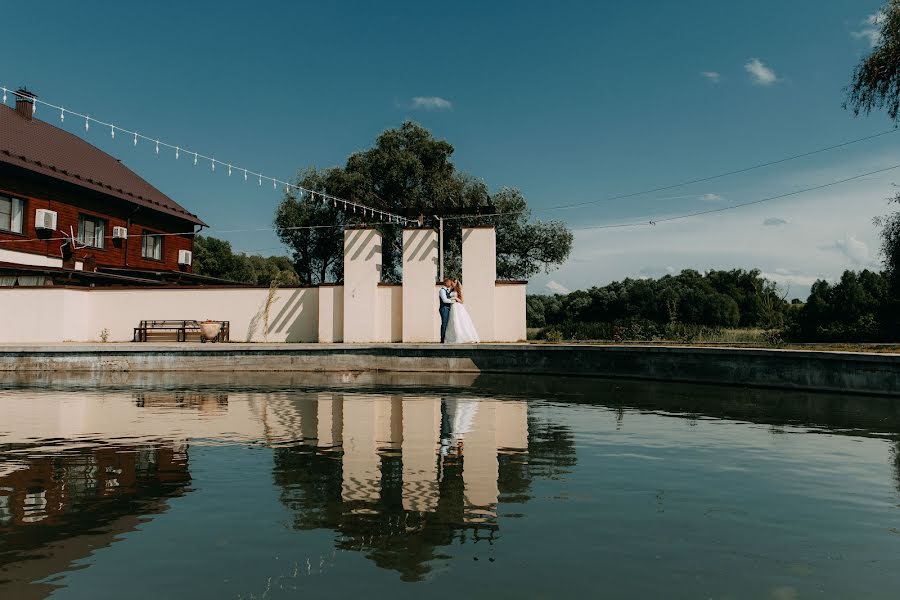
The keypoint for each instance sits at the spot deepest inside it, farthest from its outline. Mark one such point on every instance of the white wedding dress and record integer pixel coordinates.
(460, 329)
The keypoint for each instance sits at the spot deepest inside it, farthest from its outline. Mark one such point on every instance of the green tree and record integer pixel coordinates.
(410, 172)
(876, 79)
(214, 258)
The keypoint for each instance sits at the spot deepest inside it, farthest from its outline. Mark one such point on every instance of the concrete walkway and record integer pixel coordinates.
(870, 373)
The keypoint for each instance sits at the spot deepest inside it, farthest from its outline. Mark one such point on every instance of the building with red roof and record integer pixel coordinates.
(71, 213)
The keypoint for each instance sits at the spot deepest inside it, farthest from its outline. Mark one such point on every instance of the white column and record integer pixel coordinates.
(331, 313)
(421, 321)
(362, 272)
(479, 277)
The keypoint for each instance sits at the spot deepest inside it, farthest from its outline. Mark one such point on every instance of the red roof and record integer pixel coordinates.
(43, 148)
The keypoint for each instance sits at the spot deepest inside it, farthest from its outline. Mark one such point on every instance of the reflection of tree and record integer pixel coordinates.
(409, 541)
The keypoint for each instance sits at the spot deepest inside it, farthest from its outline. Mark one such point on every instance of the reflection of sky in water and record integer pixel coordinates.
(273, 493)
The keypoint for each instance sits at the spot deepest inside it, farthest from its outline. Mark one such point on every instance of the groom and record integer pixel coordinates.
(444, 304)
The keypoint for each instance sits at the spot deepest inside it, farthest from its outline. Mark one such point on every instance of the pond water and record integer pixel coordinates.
(273, 486)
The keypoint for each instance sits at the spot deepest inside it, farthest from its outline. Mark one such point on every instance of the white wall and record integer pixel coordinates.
(369, 312)
(509, 312)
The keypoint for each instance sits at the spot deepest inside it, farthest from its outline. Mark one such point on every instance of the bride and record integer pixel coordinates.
(460, 329)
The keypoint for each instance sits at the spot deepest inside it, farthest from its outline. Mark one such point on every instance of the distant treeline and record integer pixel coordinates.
(687, 305)
(214, 258)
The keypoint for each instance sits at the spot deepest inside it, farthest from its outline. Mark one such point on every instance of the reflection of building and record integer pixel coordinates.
(55, 510)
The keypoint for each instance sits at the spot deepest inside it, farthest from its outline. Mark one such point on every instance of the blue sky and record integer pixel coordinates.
(570, 102)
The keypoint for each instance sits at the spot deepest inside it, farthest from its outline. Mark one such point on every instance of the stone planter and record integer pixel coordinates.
(209, 330)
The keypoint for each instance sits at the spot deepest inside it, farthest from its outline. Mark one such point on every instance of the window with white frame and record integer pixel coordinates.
(151, 245)
(11, 211)
(91, 231)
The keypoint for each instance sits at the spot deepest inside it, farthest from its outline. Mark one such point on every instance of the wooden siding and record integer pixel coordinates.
(69, 201)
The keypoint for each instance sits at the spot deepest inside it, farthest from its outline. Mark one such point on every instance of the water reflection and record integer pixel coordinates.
(368, 479)
(394, 476)
(399, 476)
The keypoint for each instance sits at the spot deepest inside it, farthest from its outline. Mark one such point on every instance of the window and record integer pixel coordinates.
(91, 231)
(11, 211)
(151, 246)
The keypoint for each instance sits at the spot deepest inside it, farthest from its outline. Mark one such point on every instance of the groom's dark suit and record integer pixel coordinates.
(444, 304)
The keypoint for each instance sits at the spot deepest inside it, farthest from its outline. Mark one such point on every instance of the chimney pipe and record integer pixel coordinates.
(25, 103)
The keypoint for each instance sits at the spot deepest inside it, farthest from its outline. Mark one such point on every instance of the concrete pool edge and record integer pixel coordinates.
(853, 372)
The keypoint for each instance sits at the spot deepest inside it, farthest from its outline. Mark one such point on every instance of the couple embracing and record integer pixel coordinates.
(456, 324)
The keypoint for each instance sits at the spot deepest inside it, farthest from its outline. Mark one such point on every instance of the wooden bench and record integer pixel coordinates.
(181, 329)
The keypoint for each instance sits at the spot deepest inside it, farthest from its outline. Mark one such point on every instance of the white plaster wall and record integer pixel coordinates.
(509, 312)
(420, 258)
(292, 315)
(479, 276)
(331, 314)
(362, 272)
(389, 315)
(39, 315)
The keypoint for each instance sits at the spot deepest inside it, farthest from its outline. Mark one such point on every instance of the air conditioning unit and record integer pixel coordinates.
(45, 219)
(120, 233)
(185, 257)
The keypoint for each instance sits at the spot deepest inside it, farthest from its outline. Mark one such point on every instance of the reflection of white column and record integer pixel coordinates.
(330, 420)
(362, 473)
(480, 468)
(479, 277)
(512, 425)
(420, 315)
(421, 432)
(362, 272)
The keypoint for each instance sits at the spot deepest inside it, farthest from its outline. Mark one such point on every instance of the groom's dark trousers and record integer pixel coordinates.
(444, 309)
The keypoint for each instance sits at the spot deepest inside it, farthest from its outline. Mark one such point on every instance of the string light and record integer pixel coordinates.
(157, 143)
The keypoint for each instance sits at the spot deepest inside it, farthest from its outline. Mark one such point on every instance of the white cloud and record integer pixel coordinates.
(774, 221)
(557, 288)
(431, 103)
(760, 73)
(711, 197)
(712, 76)
(871, 30)
(854, 249)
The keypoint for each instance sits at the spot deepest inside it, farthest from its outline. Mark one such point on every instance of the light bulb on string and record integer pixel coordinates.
(229, 170)
(260, 180)
(4, 95)
(87, 123)
(273, 183)
(62, 113)
(195, 158)
(335, 203)
(177, 152)
(135, 139)
(157, 147)
(245, 174)
(112, 131)
(213, 163)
